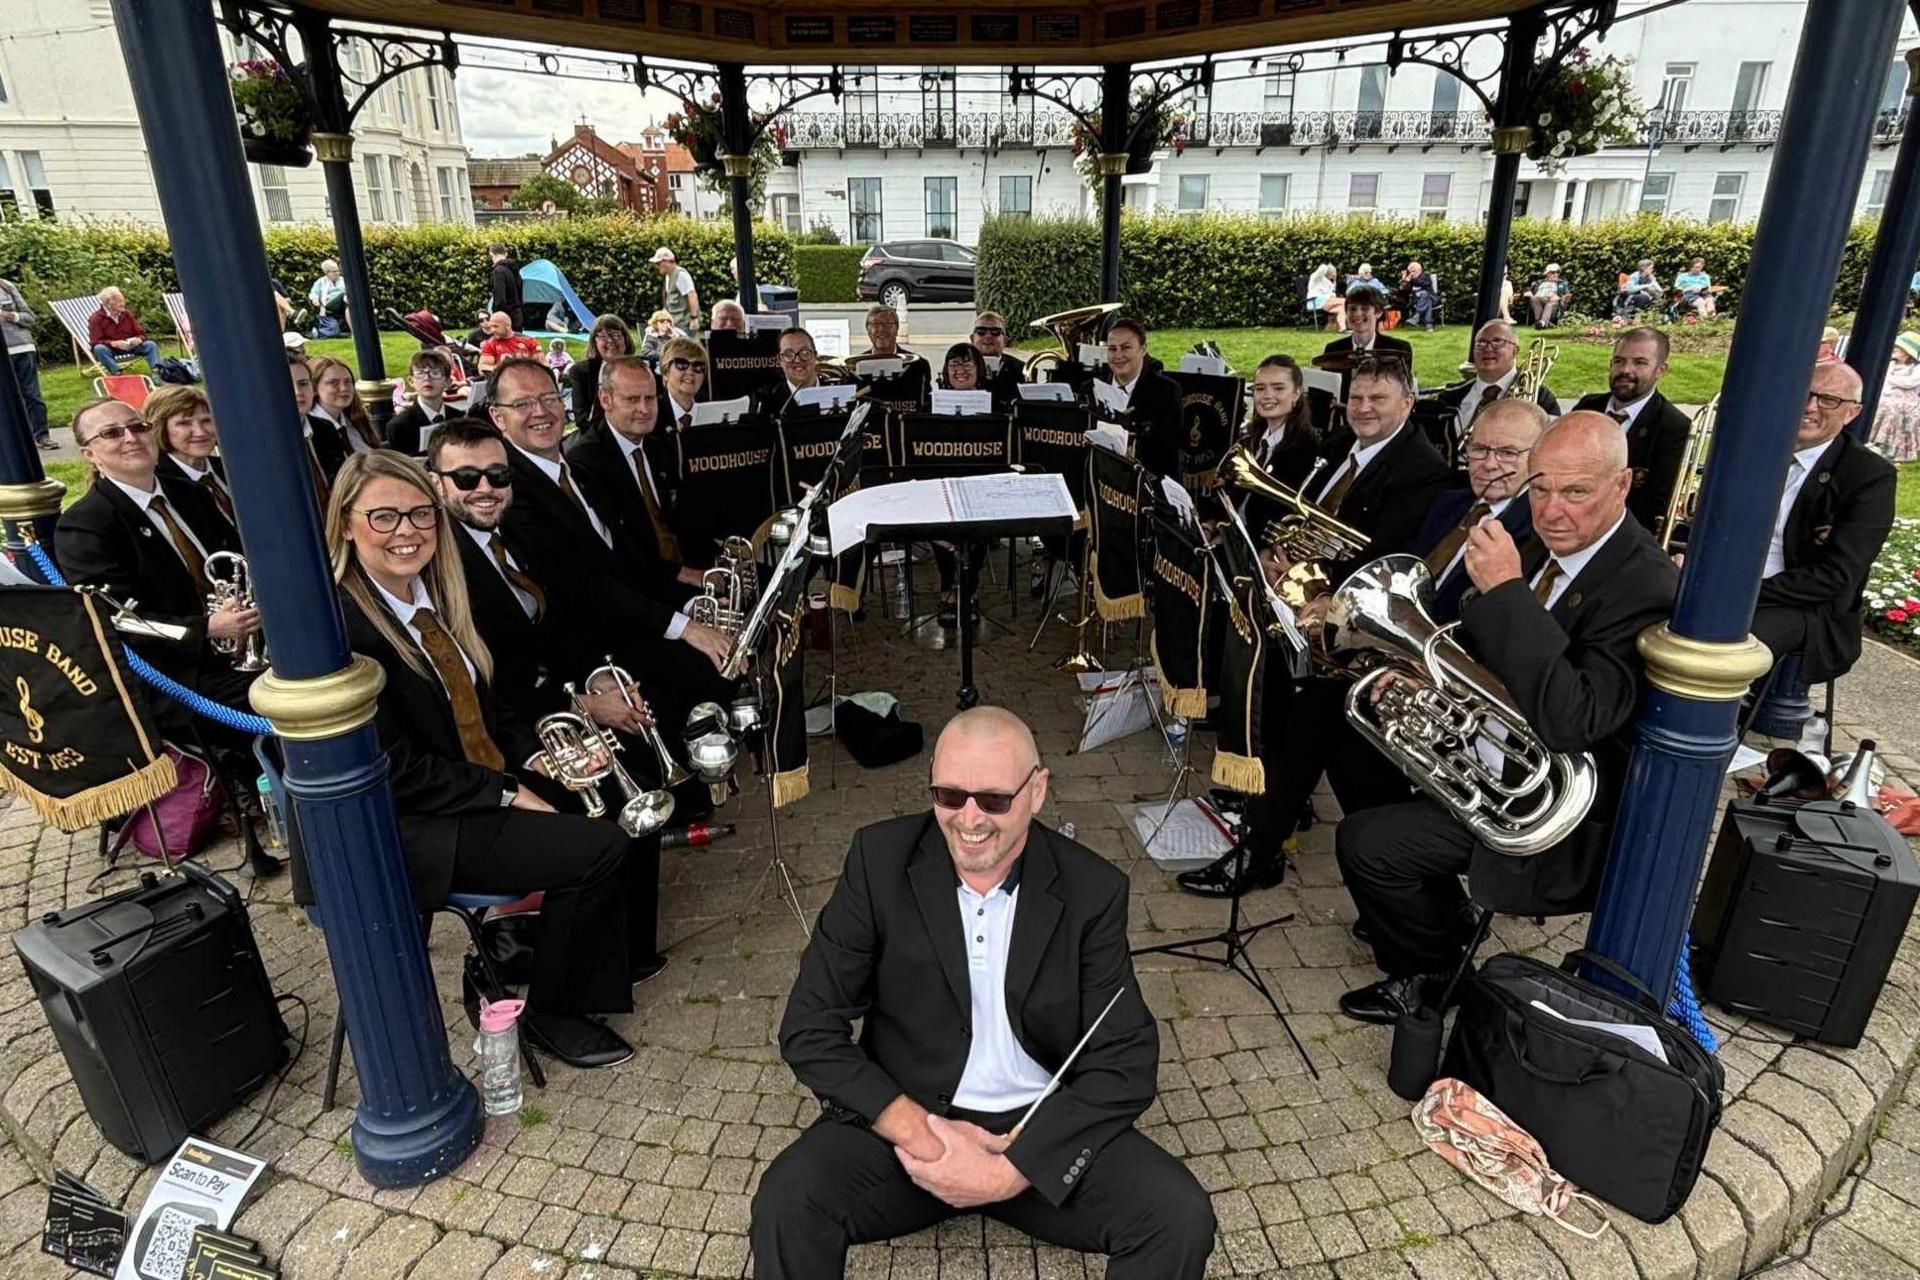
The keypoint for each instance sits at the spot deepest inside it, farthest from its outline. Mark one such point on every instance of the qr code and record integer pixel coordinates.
(168, 1239)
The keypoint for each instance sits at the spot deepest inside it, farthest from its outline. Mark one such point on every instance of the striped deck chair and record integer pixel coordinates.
(74, 314)
(182, 323)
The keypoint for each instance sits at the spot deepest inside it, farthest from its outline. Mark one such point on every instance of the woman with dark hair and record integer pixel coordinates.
(963, 370)
(1279, 429)
(609, 340)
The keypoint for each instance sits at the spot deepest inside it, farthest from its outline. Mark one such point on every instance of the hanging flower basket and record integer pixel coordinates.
(696, 126)
(1165, 128)
(275, 124)
(1586, 105)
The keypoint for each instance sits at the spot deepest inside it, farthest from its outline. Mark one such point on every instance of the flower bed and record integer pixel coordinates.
(1893, 587)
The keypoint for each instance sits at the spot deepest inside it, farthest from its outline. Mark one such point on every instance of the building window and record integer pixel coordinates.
(1193, 192)
(1277, 99)
(1274, 191)
(1877, 192)
(35, 175)
(449, 207)
(1893, 98)
(1016, 195)
(1372, 108)
(1655, 193)
(943, 207)
(939, 102)
(1725, 205)
(273, 185)
(1750, 86)
(862, 97)
(402, 200)
(353, 61)
(433, 97)
(3, 88)
(1436, 189)
(1446, 104)
(404, 101)
(9, 201)
(1675, 88)
(863, 209)
(376, 188)
(1363, 191)
(786, 212)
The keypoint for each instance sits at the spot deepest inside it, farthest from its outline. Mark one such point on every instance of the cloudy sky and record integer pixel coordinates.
(511, 113)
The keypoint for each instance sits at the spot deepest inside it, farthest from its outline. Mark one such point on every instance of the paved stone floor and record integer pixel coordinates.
(648, 1169)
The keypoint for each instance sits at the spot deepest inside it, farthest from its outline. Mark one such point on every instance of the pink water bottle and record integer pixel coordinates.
(497, 1049)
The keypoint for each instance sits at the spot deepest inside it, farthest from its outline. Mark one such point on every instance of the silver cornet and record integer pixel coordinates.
(615, 680)
(736, 553)
(233, 588)
(580, 755)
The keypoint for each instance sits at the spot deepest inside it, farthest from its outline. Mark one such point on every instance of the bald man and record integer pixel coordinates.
(977, 946)
(1556, 620)
(1835, 511)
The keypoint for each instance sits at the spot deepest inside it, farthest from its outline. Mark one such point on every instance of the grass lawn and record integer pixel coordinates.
(1907, 501)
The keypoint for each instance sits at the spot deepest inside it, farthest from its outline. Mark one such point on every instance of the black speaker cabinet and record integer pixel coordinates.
(161, 1005)
(1800, 915)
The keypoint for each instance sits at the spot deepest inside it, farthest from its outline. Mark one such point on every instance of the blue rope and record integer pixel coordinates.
(1684, 1005)
(197, 703)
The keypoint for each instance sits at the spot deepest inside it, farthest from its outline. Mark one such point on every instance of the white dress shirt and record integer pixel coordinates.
(1571, 565)
(628, 448)
(403, 611)
(199, 474)
(485, 537)
(1799, 467)
(1494, 510)
(999, 1075)
(1359, 455)
(552, 471)
(355, 441)
(143, 498)
(682, 414)
(1470, 403)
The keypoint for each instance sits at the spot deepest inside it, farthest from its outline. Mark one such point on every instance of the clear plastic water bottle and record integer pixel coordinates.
(497, 1048)
(276, 833)
(1176, 734)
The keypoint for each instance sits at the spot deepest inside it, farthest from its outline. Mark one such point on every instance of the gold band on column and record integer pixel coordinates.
(320, 706)
(332, 148)
(373, 390)
(1704, 670)
(737, 166)
(32, 500)
(1112, 162)
(1512, 140)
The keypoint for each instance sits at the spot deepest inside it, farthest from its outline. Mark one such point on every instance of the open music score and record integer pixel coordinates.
(955, 500)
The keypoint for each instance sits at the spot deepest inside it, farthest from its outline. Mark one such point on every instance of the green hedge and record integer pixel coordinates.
(1220, 270)
(827, 272)
(439, 267)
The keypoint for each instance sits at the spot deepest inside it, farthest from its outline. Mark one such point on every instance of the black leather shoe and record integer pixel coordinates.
(649, 969)
(576, 1041)
(1383, 1002)
(1217, 878)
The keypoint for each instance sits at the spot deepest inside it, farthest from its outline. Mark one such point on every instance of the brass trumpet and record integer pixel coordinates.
(1308, 535)
(580, 754)
(615, 680)
(233, 586)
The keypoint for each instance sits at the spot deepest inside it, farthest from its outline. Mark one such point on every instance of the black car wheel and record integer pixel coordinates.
(894, 294)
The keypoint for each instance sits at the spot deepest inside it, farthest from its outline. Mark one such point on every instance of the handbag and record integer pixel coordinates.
(1574, 1064)
(182, 822)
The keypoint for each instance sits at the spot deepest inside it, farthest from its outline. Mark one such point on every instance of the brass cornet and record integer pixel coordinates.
(233, 587)
(580, 755)
(615, 680)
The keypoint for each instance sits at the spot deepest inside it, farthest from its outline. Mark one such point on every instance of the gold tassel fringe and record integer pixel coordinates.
(97, 804)
(792, 785)
(1244, 774)
(1191, 703)
(1112, 608)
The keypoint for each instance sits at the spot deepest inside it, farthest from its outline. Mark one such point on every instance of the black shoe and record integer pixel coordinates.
(576, 1041)
(1262, 870)
(949, 613)
(1383, 1002)
(649, 969)
(47, 443)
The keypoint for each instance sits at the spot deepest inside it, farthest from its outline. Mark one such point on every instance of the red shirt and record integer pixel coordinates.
(497, 349)
(102, 327)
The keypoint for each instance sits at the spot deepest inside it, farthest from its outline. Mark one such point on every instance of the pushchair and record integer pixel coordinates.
(426, 328)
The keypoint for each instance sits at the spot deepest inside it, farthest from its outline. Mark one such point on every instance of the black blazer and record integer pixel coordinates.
(1156, 418)
(530, 659)
(1445, 514)
(1389, 500)
(330, 445)
(409, 430)
(172, 474)
(105, 540)
(583, 381)
(1656, 447)
(606, 478)
(1576, 677)
(1005, 385)
(1384, 344)
(1838, 522)
(888, 949)
(504, 289)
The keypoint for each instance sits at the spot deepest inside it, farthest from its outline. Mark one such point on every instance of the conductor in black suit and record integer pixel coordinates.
(1152, 399)
(1378, 475)
(1498, 455)
(1835, 511)
(1656, 430)
(1557, 620)
(976, 947)
(1364, 307)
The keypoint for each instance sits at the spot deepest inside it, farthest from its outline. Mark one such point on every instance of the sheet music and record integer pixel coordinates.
(1193, 363)
(828, 398)
(1092, 354)
(1046, 392)
(776, 322)
(829, 337)
(1109, 397)
(1010, 497)
(957, 500)
(881, 367)
(712, 413)
(1190, 832)
(1323, 379)
(1633, 1033)
(1108, 436)
(962, 402)
(1179, 499)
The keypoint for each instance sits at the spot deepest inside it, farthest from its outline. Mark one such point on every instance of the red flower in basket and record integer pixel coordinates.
(1916, 575)
(1896, 615)
(1911, 606)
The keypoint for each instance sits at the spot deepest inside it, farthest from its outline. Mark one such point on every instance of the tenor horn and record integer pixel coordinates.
(1308, 535)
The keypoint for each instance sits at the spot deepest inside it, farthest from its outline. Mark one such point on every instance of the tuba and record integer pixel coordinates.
(1431, 709)
(1307, 534)
(1693, 470)
(580, 754)
(1069, 330)
(232, 585)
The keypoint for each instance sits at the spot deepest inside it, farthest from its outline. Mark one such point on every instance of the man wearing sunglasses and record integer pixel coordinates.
(1005, 372)
(978, 947)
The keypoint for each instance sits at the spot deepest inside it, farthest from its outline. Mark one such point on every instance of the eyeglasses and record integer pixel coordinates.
(795, 357)
(119, 431)
(1491, 344)
(387, 519)
(680, 364)
(553, 402)
(989, 331)
(993, 802)
(467, 479)
(1821, 398)
(432, 375)
(1481, 452)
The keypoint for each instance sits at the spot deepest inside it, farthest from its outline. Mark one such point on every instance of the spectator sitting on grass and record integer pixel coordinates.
(116, 336)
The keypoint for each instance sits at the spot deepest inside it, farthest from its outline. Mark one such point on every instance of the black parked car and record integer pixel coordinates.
(901, 271)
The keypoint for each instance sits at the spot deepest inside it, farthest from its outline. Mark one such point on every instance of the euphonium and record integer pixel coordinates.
(1432, 709)
(232, 585)
(1693, 470)
(580, 754)
(1307, 534)
(615, 680)
(1069, 329)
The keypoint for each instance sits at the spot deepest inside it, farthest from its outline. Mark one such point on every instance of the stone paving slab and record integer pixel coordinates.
(649, 1169)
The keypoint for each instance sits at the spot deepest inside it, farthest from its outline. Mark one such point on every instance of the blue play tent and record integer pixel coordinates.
(543, 284)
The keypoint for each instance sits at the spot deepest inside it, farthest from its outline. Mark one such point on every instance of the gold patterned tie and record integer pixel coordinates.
(1487, 397)
(566, 487)
(1543, 589)
(662, 534)
(219, 495)
(475, 742)
(182, 544)
(498, 546)
(1330, 500)
(1448, 547)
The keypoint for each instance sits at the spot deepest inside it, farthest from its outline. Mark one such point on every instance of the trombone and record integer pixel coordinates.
(1693, 470)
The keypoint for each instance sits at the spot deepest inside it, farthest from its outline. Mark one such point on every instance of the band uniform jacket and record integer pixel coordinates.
(605, 476)
(330, 447)
(171, 473)
(1656, 448)
(888, 949)
(1390, 498)
(1446, 515)
(1005, 384)
(1838, 522)
(105, 540)
(1576, 677)
(1384, 344)
(531, 659)
(1155, 416)
(409, 430)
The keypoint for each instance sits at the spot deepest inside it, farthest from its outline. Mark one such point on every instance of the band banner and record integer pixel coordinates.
(739, 364)
(788, 770)
(808, 446)
(1210, 410)
(1053, 438)
(937, 444)
(76, 738)
(726, 478)
(1179, 579)
(1237, 756)
(1119, 489)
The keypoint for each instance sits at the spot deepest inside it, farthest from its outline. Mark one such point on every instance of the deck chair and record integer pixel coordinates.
(131, 389)
(74, 314)
(182, 323)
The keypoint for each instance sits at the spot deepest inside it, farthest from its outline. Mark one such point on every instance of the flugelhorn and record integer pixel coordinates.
(1447, 722)
(1308, 535)
(233, 588)
(580, 755)
(615, 680)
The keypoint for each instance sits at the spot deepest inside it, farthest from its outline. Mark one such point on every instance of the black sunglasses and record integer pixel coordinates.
(991, 331)
(994, 802)
(467, 479)
(680, 364)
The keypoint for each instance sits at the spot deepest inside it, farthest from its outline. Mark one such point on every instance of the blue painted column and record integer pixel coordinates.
(1896, 249)
(1511, 133)
(736, 124)
(1700, 664)
(1116, 132)
(418, 1117)
(29, 501)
